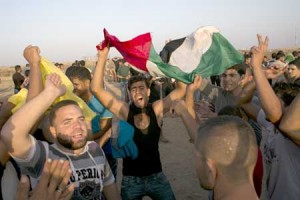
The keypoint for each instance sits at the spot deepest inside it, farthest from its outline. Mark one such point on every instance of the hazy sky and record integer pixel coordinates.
(68, 30)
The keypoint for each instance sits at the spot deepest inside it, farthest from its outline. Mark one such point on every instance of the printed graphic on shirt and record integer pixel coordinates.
(88, 182)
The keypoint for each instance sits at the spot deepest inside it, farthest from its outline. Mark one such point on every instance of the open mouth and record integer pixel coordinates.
(139, 99)
(77, 136)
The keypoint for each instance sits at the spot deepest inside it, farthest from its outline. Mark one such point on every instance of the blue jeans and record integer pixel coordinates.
(156, 186)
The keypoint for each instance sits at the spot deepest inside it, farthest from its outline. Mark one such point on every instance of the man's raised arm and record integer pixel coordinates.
(269, 101)
(164, 105)
(289, 123)
(185, 109)
(111, 102)
(32, 55)
(15, 132)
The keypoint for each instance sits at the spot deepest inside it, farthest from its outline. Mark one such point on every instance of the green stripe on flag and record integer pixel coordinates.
(220, 56)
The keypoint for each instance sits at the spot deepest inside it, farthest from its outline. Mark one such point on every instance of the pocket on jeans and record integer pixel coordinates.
(128, 181)
(161, 178)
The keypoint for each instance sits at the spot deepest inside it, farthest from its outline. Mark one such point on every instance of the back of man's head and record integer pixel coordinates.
(287, 92)
(225, 147)
(27, 72)
(233, 111)
(82, 73)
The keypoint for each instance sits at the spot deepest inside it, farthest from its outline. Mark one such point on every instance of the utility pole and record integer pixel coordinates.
(296, 37)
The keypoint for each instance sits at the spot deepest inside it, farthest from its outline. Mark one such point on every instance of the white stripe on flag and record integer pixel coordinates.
(188, 55)
(154, 70)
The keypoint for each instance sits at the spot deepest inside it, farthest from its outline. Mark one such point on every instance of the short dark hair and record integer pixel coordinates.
(286, 91)
(137, 78)
(59, 105)
(211, 144)
(82, 63)
(246, 56)
(27, 72)
(240, 68)
(296, 62)
(17, 67)
(230, 110)
(295, 53)
(81, 73)
(279, 55)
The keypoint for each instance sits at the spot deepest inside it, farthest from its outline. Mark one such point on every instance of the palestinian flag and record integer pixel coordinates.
(205, 52)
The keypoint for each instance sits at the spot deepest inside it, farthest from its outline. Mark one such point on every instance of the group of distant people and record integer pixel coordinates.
(57, 153)
(21, 80)
(78, 63)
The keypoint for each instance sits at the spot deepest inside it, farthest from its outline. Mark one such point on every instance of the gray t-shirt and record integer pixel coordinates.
(221, 98)
(90, 170)
(282, 163)
(216, 95)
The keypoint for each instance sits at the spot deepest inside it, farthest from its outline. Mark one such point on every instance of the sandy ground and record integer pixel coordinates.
(6, 88)
(176, 155)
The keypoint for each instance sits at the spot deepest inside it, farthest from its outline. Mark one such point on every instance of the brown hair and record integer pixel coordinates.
(137, 78)
(59, 105)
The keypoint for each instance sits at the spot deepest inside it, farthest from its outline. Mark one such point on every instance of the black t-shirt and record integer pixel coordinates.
(148, 160)
(1, 175)
(297, 81)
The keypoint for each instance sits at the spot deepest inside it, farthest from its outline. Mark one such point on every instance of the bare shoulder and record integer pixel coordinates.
(123, 112)
(157, 107)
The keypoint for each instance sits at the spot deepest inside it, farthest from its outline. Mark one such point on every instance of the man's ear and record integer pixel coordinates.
(53, 131)
(212, 172)
(148, 92)
(87, 83)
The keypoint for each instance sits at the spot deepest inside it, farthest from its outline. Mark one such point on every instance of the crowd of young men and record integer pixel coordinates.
(228, 161)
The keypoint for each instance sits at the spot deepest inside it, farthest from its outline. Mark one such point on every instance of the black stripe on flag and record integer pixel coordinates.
(171, 46)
